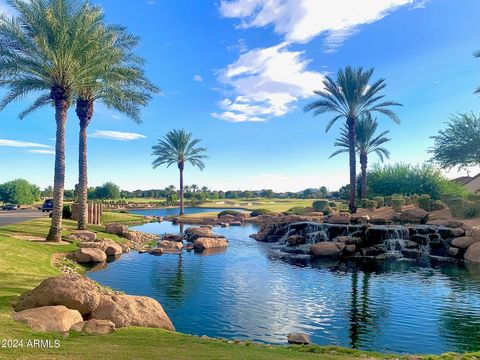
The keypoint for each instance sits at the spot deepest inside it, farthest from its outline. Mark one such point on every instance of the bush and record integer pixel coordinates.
(229, 212)
(407, 179)
(371, 205)
(320, 205)
(332, 204)
(19, 192)
(397, 204)
(363, 203)
(297, 210)
(474, 197)
(414, 199)
(379, 200)
(67, 212)
(407, 199)
(327, 211)
(387, 200)
(437, 205)
(260, 212)
(472, 211)
(424, 202)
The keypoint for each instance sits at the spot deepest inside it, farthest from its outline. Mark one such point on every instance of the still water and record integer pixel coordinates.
(249, 292)
(175, 211)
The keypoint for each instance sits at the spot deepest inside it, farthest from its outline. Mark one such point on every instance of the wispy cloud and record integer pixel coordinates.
(198, 78)
(5, 8)
(21, 144)
(299, 21)
(266, 83)
(43, 152)
(116, 135)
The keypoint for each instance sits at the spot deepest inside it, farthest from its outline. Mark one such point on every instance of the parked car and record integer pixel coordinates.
(47, 205)
(10, 207)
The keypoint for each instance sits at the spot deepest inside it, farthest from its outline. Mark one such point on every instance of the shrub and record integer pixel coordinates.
(297, 210)
(327, 211)
(363, 203)
(320, 205)
(67, 212)
(414, 199)
(387, 200)
(371, 205)
(229, 212)
(474, 197)
(407, 179)
(458, 206)
(407, 199)
(424, 202)
(472, 211)
(260, 212)
(397, 204)
(379, 200)
(332, 204)
(437, 205)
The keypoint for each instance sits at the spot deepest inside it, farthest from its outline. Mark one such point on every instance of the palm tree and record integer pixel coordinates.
(40, 50)
(178, 147)
(366, 142)
(116, 79)
(477, 54)
(194, 188)
(351, 96)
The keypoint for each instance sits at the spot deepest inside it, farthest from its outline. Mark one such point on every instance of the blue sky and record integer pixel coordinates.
(237, 74)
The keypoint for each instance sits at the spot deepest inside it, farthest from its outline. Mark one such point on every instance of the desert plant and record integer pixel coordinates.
(397, 204)
(379, 200)
(424, 202)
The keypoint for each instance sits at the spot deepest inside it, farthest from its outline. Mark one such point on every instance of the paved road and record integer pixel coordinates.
(12, 217)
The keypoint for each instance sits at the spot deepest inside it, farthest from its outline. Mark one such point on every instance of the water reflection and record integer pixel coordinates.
(251, 291)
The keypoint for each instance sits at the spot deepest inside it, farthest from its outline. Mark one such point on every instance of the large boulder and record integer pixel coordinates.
(298, 338)
(116, 229)
(170, 246)
(296, 240)
(463, 242)
(94, 326)
(473, 253)
(49, 318)
(194, 233)
(110, 247)
(414, 216)
(73, 291)
(128, 310)
(208, 243)
(82, 235)
(340, 218)
(327, 248)
(89, 255)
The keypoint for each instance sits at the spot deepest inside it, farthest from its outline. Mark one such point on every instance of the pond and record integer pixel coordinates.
(249, 292)
(175, 211)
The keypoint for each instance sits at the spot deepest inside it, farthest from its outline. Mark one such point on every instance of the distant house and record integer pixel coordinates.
(470, 183)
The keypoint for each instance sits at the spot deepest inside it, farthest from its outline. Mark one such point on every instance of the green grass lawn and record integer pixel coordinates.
(23, 264)
(277, 205)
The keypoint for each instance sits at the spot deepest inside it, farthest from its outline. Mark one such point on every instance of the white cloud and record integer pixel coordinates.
(5, 8)
(198, 78)
(116, 135)
(266, 83)
(299, 21)
(21, 144)
(44, 152)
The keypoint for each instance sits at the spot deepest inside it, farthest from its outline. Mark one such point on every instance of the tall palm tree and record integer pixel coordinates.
(117, 81)
(350, 96)
(178, 147)
(367, 141)
(194, 188)
(40, 50)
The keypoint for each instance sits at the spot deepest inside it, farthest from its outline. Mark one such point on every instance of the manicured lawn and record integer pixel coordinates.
(277, 205)
(118, 217)
(23, 264)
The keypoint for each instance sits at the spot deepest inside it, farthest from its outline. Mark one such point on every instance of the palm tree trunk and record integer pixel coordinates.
(84, 112)
(181, 167)
(353, 165)
(61, 108)
(363, 165)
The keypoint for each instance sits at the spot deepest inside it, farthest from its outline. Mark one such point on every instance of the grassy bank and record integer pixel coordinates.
(23, 264)
(277, 205)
